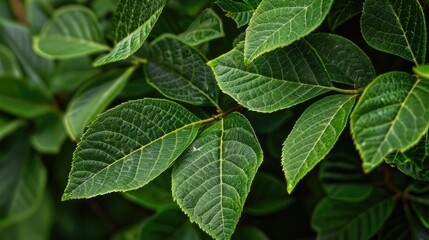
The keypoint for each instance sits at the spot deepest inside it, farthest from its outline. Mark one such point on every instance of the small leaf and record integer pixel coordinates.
(128, 146)
(50, 133)
(313, 136)
(342, 11)
(422, 71)
(130, 32)
(240, 12)
(8, 64)
(278, 23)
(207, 26)
(179, 72)
(212, 178)
(8, 126)
(392, 115)
(342, 220)
(400, 30)
(72, 32)
(92, 99)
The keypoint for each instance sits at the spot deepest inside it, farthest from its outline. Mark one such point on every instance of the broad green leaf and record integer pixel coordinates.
(179, 72)
(168, 225)
(334, 219)
(206, 27)
(92, 99)
(342, 11)
(50, 133)
(313, 136)
(128, 146)
(264, 123)
(249, 233)
(399, 30)
(422, 71)
(19, 98)
(240, 12)
(212, 178)
(342, 179)
(72, 32)
(278, 23)
(8, 64)
(8, 126)
(266, 196)
(391, 115)
(277, 80)
(130, 32)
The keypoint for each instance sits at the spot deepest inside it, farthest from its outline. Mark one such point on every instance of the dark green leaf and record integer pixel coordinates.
(8, 126)
(8, 64)
(37, 13)
(342, 11)
(249, 233)
(50, 133)
(240, 12)
(267, 123)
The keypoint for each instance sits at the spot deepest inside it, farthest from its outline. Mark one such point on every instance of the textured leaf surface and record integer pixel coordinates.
(128, 146)
(392, 115)
(213, 176)
(92, 99)
(180, 72)
(342, 220)
(277, 80)
(50, 133)
(131, 24)
(207, 26)
(240, 12)
(342, 11)
(278, 23)
(313, 136)
(395, 26)
(72, 32)
(8, 64)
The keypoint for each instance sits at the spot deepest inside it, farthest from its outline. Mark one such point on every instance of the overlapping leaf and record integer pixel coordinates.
(422, 71)
(240, 12)
(342, 11)
(395, 26)
(72, 32)
(391, 115)
(213, 176)
(313, 136)
(132, 22)
(128, 146)
(179, 72)
(50, 133)
(278, 23)
(8, 64)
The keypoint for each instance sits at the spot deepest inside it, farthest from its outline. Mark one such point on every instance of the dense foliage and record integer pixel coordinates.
(201, 119)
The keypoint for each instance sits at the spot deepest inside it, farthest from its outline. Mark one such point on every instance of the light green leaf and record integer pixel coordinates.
(180, 72)
(130, 32)
(92, 99)
(392, 115)
(50, 133)
(399, 30)
(8, 64)
(422, 71)
(240, 12)
(8, 126)
(206, 27)
(313, 136)
(212, 178)
(278, 23)
(277, 80)
(72, 32)
(342, 11)
(128, 146)
(342, 220)
(21, 99)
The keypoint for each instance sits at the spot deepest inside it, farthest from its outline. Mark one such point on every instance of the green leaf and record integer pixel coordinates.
(418, 194)
(240, 12)
(212, 178)
(249, 233)
(18, 97)
(277, 80)
(334, 219)
(168, 225)
(278, 23)
(179, 72)
(130, 32)
(128, 146)
(50, 133)
(313, 136)
(8, 64)
(400, 30)
(422, 71)
(72, 32)
(391, 115)
(206, 27)
(8, 126)
(92, 99)
(342, 11)
(37, 13)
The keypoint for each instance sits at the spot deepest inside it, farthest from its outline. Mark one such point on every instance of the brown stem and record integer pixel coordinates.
(18, 10)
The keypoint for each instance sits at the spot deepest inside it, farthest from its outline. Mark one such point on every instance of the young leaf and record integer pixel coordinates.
(277, 80)
(422, 71)
(342, 220)
(278, 23)
(342, 11)
(130, 32)
(392, 115)
(72, 32)
(399, 30)
(207, 26)
(9, 126)
(240, 12)
(212, 178)
(92, 99)
(128, 146)
(50, 133)
(8, 64)
(180, 72)
(313, 136)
